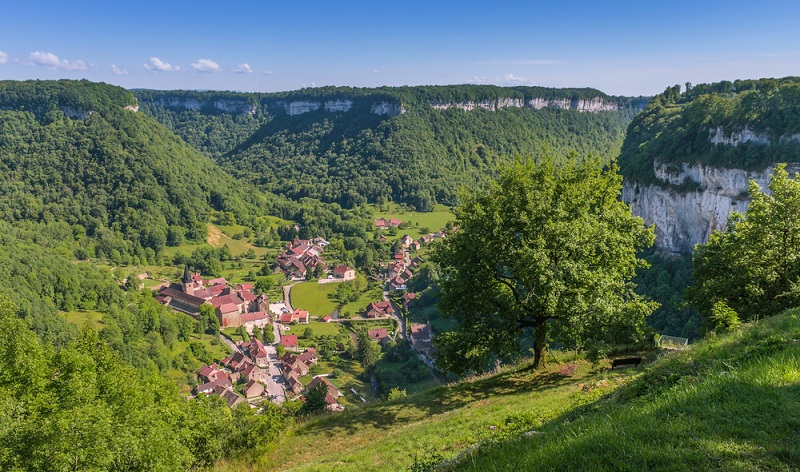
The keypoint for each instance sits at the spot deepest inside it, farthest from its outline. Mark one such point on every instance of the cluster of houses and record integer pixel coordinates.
(301, 257)
(399, 270)
(247, 366)
(380, 309)
(299, 365)
(234, 306)
(384, 224)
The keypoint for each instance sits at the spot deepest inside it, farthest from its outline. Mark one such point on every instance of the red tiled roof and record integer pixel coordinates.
(289, 340)
(184, 297)
(207, 370)
(225, 299)
(377, 334)
(341, 269)
(255, 316)
(228, 308)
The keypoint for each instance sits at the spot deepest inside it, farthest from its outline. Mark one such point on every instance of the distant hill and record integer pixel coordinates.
(78, 152)
(744, 124)
(415, 145)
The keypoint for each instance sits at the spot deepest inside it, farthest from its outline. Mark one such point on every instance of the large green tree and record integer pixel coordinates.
(754, 266)
(544, 252)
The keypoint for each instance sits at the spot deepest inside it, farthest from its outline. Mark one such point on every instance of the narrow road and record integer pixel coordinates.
(287, 299)
(401, 323)
(230, 344)
(275, 380)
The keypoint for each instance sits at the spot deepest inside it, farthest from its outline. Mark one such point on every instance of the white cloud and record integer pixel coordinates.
(243, 69)
(376, 71)
(157, 65)
(268, 72)
(205, 65)
(3, 57)
(513, 79)
(478, 80)
(48, 59)
(118, 70)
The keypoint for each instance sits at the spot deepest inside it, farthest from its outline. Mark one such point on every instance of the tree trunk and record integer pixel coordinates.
(539, 344)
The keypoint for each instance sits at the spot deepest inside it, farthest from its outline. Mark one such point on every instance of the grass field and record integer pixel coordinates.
(79, 318)
(319, 328)
(314, 297)
(358, 307)
(219, 236)
(729, 403)
(233, 335)
(435, 220)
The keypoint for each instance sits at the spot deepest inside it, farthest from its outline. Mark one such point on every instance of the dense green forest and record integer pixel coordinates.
(116, 175)
(420, 157)
(81, 407)
(71, 152)
(676, 127)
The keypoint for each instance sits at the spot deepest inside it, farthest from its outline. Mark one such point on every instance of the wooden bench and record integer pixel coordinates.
(634, 361)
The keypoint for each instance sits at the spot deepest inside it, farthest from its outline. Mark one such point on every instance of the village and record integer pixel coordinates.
(278, 369)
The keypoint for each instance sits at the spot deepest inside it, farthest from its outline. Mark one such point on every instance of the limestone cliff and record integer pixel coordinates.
(592, 105)
(683, 218)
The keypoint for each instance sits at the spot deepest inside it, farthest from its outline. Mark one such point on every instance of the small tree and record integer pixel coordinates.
(315, 400)
(724, 318)
(207, 319)
(308, 333)
(754, 266)
(368, 352)
(396, 393)
(269, 334)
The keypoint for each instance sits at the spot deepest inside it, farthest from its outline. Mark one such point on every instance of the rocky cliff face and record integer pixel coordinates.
(593, 105)
(685, 218)
(387, 108)
(188, 103)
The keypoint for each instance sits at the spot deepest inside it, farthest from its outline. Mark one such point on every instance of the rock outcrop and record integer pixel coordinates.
(683, 218)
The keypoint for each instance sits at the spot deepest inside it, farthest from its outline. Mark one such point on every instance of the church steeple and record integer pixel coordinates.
(187, 284)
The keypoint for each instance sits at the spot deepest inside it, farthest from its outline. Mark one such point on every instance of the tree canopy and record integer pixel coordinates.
(754, 266)
(547, 253)
(420, 157)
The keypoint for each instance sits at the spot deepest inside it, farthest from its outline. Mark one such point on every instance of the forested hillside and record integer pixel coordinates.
(70, 152)
(744, 124)
(415, 145)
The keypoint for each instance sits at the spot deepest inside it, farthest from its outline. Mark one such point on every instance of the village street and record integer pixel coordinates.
(401, 323)
(231, 344)
(275, 380)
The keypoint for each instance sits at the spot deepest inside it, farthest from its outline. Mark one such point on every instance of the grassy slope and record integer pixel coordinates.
(732, 403)
(445, 419)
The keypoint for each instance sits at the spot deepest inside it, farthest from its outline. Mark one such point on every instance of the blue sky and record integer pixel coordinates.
(620, 47)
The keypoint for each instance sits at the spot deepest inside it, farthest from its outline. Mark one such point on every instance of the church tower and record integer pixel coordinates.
(187, 284)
